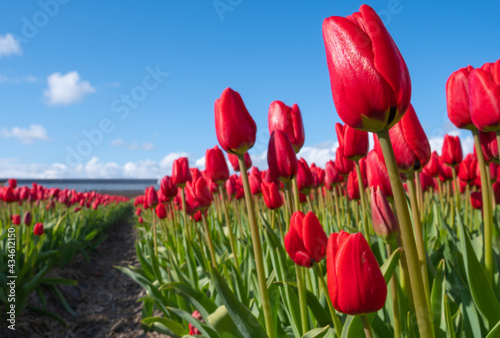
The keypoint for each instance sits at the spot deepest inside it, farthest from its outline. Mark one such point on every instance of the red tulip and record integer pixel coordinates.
(138, 211)
(8, 195)
(180, 172)
(496, 191)
(484, 97)
(426, 181)
(352, 186)
(476, 200)
(233, 159)
(305, 241)
(232, 186)
(410, 144)
(38, 229)
(12, 183)
(271, 194)
(344, 165)
(384, 222)
(489, 145)
(193, 330)
(305, 178)
(445, 173)
(281, 157)
(288, 120)
(467, 169)
(151, 197)
(432, 167)
(216, 165)
(27, 218)
(235, 128)
(370, 81)
(141, 220)
(161, 211)
(255, 180)
(167, 187)
(377, 174)
(332, 176)
(457, 98)
(353, 142)
(195, 174)
(452, 150)
(355, 283)
(200, 195)
(16, 219)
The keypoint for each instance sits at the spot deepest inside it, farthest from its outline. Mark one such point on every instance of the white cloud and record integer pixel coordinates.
(132, 146)
(66, 89)
(9, 45)
(26, 135)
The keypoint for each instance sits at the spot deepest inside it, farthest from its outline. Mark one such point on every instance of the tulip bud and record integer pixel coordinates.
(452, 150)
(38, 229)
(167, 187)
(353, 142)
(457, 98)
(288, 120)
(305, 179)
(161, 211)
(377, 174)
(484, 97)
(27, 218)
(233, 159)
(467, 169)
(271, 194)
(180, 172)
(355, 283)
(432, 167)
(384, 222)
(476, 200)
(344, 166)
(216, 165)
(281, 157)
(151, 197)
(352, 186)
(332, 176)
(16, 219)
(235, 128)
(12, 183)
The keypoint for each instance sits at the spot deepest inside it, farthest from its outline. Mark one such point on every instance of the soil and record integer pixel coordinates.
(105, 299)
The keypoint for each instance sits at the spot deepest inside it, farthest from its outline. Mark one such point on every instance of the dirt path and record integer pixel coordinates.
(105, 299)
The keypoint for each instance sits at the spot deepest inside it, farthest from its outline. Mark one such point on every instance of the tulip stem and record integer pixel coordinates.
(257, 249)
(367, 326)
(208, 239)
(296, 197)
(302, 298)
(184, 214)
(487, 212)
(425, 324)
(336, 321)
(232, 242)
(361, 188)
(153, 221)
(394, 298)
(456, 186)
(337, 208)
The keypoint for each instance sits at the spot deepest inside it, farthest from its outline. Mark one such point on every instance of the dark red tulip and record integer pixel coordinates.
(344, 166)
(38, 229)
(467, 169)
(167, 187)
(352, 186)
(484, 97)
(305, 178)
(372, 90)
(384, 222)
(457, 98)
(281, 157)
(271, 194)
(235, 128)
(432, 167)
(305, 241)
(216, 165)
(355, 283)
(410, 144)
(476, 200)
(180, 172)
(493, 171)
(138, 211)
(496, 191)
(332, 176)
(426, 181)
(16, 219)
(193, 330)
(27, 218)
(377, 174)
(353, 142)
(161, 211)
(288, 120)
(451, 153)
(233, 159)
(151, 197)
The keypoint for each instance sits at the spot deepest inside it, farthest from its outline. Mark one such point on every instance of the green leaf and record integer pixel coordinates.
(35, 281)
(222, 322)
(48, 314)
(495, 332)
(246, 322)
(63, 301)
(172, 327)
(437, 296)
(205, 329)
(91, 235)
(319, 332)
(450, 328)
(390, 265)
(201, 302)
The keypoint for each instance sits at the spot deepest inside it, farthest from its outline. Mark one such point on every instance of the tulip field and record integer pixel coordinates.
(392, 241)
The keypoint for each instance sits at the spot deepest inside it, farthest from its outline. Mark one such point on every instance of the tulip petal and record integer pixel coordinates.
(314, 237)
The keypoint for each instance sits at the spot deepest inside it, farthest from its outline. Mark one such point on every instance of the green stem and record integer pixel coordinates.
(366, 326)
(296, 197)
(232, 242)
(257, 249)
(336, 320)
(425, 324)
(366, 229)
(337, 207)
(456, 186)
(394, 299)
(208, 239)
(302, 298)
(153, 219)
(184, 214)
(487, 212)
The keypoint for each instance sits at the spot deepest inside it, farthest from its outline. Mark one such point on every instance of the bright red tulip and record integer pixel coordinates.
(489, 145)
(161, 211)
(305, 241)
(151, 197)
(484, 97)
(426, 181)
(372, 90)
(377, 174)
(16, 219)
(352, 186)
(353, 142)
(201, 195)
(232, 186)
(12, 183)
(216, 165)
(281, 157)
(344, 166)
(476, 200)
(305, 179)
(288, 120)
(355, 283)
(432, 167)
(384, 222)
(38, 229)
(467, 169)
(236, 130)
(255, 180)
(451, 153)
(271, 194)
(167, 187)
(233, 159)
(9, 195)
(332, 176)
(180, 172)
(140, 220)
(457, 98)
(445, 173)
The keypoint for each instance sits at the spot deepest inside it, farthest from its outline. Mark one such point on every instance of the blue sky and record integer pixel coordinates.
(71, 67)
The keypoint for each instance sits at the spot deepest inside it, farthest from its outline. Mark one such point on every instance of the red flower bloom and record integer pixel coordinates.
(233, 159)
(457, 98)
(216, 165)
(476, 200)
(432, 167)
(484, 97)
(38, 229)
(384, 222)
(271, 194)
(281, 157)
(377, 174)
(180, 172)
(288, 120)
(161, 211)
(16, 219)
(452, 150)
(353, 142)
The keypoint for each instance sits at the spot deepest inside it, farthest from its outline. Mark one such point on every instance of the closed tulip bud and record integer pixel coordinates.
(8, 195)
(476, 200)
(235, 128)
(16, 219)
(320, 174)
(371, 91)
(377, 174)
(38, 229)
(141, 220)
(138, 211)
(231, 186)
(332, 176)
(197, 216)
(193, 330)
(288, 120)
(354, 142)
(457, 98)
(233, 159)
(180, 172)
(484, 97)
(305, 178)
(467, 169)
(452, 150)
(489, 145)
(168, 189)
(151, 197)
(195, 174)
(255, 180)
(352, 186)
(268, 178)
(305, 241)
(445, 173)
(202, 194)
(271, 194)
(411, 146)
(216, 165)
(344, 166)
(281, 157)
(384, 222)
(355, 283)
(432, 167)
(426, 181)
(12, 183)
(493, 171)
(161, 211)
(27, 218)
